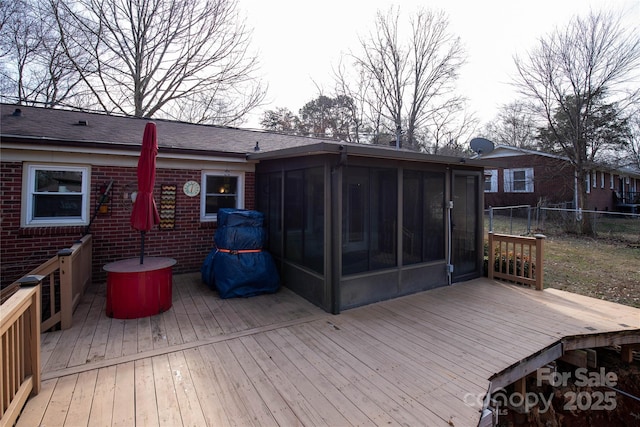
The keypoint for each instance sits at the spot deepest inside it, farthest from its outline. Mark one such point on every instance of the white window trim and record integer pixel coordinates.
(494, 180)
(203, 193)
(29, 173)
(612, 183)
(601, 179)
(508, 180)
(595, 179)
(588, 183)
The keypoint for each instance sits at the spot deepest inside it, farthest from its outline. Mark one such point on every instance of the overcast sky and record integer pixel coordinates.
(299, 41)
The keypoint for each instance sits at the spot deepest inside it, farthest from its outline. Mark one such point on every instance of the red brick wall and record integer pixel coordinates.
(553, 181)
(189, 242)
(600, 198)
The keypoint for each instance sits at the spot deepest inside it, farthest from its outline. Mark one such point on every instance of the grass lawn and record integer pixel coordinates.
(605, 267)
(599, 268)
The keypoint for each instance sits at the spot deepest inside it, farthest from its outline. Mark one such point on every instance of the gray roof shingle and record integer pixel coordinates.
(58, 127)
(63, 126)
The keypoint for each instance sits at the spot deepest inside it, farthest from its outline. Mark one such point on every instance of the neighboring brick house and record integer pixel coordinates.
(347, 224)
(528, 177)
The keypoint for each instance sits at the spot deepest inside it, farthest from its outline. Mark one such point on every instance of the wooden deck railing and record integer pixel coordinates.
(20, 354)
(75, 275)
(517, 259)
(67, 274)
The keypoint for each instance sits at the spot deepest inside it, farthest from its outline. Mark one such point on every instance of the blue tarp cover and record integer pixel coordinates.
(242, 274)
(240, 237)
(239, 218)
(239, 273)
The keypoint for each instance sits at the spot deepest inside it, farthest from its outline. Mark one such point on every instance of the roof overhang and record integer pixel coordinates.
(31, 143)
(361, 150)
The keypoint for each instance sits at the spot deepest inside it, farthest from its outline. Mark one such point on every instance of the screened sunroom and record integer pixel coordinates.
(352, 224)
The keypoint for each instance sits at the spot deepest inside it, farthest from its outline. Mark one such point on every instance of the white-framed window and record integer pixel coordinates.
(602, 179)
(518, 180)
(612, 183)
(491, 181)
(595, 179)
(588, 183)
(55, 195)
(220, 189)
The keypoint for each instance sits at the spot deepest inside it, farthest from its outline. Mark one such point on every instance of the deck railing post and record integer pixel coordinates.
(490, 219)
(65, 260)
(540, 261)
(32, 343)
(492, 259)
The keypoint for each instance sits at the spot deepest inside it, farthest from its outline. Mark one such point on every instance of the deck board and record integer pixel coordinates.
(243, 388)
(146, 403)
(124, 403)
(295, 359)
(169, 413)
(388, 396)
(130, 337)
(205, 383)
(38, 405)
(403, 378)
(360, 411)
(102, 405)
(190, 409)
(229, 392)
(58, 406)
(278, 360)
(80, 407)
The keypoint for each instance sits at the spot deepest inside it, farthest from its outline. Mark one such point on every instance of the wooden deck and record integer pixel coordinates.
(278, 360)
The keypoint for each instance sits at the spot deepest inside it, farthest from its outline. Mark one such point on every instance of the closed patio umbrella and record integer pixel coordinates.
(144, 215)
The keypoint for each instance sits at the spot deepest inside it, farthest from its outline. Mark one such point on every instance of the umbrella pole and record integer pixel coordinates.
(142, 233)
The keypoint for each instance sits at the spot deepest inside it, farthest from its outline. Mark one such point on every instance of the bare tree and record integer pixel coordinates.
(358, 85)
(184, 59)
(573, 67)
(356, 91)
(514, 125)
(634, 139)
(449, 129)
(410, 81)
(35, 69)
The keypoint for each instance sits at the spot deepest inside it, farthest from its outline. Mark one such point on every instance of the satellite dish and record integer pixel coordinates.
(481, 146)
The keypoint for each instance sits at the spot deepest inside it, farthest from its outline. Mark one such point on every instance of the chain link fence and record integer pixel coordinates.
(526, 220)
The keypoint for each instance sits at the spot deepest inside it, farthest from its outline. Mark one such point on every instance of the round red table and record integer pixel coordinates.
(137, 290)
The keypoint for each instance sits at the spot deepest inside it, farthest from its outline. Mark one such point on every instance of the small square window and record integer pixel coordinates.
(220, 190)
(518, 180)
(491, 181)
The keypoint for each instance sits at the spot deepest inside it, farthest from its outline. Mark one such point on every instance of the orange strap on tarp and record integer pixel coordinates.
(239, 251)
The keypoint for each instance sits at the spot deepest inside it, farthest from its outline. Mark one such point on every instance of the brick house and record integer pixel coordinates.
(516, 176)
(347, 224)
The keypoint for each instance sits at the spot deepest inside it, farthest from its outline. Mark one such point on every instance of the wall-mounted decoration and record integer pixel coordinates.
(129, 192)
(191, 188)
(103, 198)
(168, 207)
